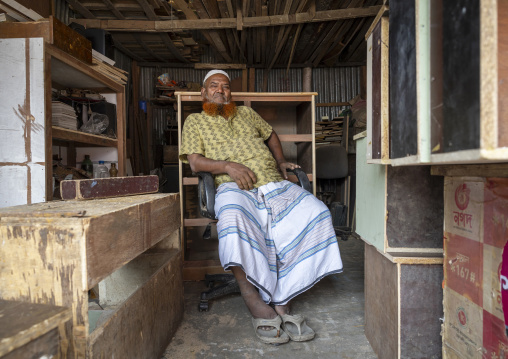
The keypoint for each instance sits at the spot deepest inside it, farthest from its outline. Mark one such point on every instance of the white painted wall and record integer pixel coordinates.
(22, 170)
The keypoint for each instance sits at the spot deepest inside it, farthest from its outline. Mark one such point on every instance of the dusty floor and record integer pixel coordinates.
(334, 308)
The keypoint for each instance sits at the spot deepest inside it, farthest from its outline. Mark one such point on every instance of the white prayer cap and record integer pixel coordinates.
(213, 72)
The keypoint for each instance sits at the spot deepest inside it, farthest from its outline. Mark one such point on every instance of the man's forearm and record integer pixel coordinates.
(242, 175)
(199, 163)
(275, 147)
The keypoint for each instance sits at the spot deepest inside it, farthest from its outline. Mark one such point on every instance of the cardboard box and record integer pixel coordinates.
(476, 221)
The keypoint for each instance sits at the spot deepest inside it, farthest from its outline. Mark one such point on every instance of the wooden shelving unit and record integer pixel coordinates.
(292, 115)
(65, 71)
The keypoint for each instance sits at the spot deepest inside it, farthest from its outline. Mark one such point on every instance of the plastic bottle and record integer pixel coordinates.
(113, 172)
(87, 165)
(102, 170)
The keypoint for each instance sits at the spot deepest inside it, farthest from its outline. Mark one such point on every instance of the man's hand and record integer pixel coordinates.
(242, 175)
(284, 166)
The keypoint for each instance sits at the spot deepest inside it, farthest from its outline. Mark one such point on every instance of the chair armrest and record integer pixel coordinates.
(303, 180)
(206, 194)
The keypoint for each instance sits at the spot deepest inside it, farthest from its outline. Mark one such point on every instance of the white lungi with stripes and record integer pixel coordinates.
(279, 234)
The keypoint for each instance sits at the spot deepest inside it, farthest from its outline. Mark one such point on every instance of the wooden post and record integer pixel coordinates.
(244, 80)
(136, 158)
(307, 79)
(252, 80)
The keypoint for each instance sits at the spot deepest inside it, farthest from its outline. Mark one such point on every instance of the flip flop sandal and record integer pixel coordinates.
(296, 327)
(272, 336)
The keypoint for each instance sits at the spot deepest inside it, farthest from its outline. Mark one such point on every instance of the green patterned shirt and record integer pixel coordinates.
(241, 139)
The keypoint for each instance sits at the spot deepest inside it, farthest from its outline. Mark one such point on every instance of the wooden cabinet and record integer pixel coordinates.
(54, 253)
(292, 116)
(438, 83)
(33, 64)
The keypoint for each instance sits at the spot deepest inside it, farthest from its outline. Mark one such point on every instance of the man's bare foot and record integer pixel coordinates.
(257, 307)
(283, 309)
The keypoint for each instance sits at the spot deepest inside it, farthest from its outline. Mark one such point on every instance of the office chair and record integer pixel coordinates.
(206, 198)
(331, 165)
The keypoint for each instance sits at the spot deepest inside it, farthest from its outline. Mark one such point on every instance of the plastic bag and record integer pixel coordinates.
(96, 124)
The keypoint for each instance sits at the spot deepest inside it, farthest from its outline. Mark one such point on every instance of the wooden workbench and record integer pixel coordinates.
(55, 252)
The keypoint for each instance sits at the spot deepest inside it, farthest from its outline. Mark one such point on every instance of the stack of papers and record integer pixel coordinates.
(64, 115)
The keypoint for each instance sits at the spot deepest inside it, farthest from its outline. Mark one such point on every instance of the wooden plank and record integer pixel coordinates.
(197, 222)
(381, 303)
(202, 66)
(502, 73)
(332, 104)
(45, 346)
(73, 67)
(485, 170)
(17, 5)
(137, 228)
(143, 325)
(108, 187)
(82, 137)
(193, 23)
(26, 322)
(198, 273)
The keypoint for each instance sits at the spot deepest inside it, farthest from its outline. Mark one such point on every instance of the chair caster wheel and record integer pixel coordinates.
(203, 306)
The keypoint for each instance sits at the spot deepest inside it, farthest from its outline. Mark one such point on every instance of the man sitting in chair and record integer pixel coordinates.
(276, 238)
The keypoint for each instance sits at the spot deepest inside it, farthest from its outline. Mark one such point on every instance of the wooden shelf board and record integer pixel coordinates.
(82, 138)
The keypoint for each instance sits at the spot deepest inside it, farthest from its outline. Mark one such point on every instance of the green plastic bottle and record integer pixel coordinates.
(87, 166)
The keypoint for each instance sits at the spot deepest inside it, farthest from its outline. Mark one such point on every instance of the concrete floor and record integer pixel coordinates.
(334, 308)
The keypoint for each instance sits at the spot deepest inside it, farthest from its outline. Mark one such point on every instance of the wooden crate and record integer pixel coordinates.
(29, 330)
(403, 304)
(56, 252)
(398, 209)
(54, 32)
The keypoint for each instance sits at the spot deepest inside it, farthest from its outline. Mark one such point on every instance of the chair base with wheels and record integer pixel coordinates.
(228, 286)
(206, 194)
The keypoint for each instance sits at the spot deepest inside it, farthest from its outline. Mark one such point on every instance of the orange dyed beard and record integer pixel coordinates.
(225, 110)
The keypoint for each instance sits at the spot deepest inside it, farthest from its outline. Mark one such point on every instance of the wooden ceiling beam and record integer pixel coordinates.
(113, 9)
(202, 66)
(337, 48)
(147, 48)
(148, 10)
(229, 23)
(172, 48)
(83, 11)
(212, 36)
(125, 50)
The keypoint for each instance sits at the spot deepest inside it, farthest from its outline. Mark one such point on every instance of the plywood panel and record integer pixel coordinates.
(403, 102)
(22, 136)
(461, 70)
(502, 53)
(370, 198)
(376, 91)
(381, 303)
(420, 324)
(414, 208)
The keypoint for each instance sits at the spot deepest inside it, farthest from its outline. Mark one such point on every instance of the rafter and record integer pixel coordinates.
(230, 23)
(81, 9)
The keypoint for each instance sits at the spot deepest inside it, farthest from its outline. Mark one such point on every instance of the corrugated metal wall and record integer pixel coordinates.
(332, 85)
